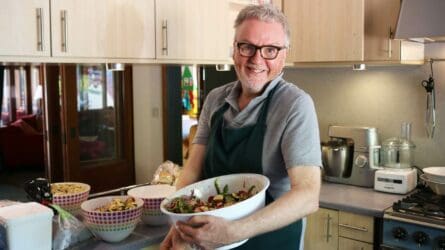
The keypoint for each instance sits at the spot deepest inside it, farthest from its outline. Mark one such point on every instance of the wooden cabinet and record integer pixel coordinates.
(193, 29)
(348, 244)
(103, 28)
(322, 230)
(25, 28)
(332, 229)
(347, 31)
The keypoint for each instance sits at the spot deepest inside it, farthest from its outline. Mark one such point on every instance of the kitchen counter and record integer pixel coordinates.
(364, 201)
(359, 200)
(143, 236)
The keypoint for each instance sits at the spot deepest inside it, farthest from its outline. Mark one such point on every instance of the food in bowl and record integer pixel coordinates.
(67, 188)
(153, 195)
(235, 182)
(110, 225)
(70, 195)
(118, 204)
(193, 204)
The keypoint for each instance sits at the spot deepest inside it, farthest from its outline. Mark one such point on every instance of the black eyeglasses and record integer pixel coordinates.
(267, 52)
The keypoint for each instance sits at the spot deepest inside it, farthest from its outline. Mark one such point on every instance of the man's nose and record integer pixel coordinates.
(257, 56)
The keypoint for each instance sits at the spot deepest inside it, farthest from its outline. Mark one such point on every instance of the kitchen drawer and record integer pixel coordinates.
(348, 244)
(356, 227)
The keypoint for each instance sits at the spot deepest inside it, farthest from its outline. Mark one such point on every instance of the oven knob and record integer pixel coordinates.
(420, 237)
(441, 243)
(399, 233)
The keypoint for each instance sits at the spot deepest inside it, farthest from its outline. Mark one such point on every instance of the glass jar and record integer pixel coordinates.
(397, 152)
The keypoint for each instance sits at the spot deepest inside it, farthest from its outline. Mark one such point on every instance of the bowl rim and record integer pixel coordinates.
(150, 186)
(174, 195)
(428, 170)
(71, 182)
(425, 178)
(139, 202)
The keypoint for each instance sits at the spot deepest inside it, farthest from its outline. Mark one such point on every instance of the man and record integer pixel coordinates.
(259, 124)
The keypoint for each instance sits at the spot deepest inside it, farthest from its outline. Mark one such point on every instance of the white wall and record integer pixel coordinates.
(381, 97)
(147, 101)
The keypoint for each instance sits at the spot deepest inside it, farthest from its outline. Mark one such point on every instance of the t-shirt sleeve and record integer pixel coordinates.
(203, 131)
(301, 140)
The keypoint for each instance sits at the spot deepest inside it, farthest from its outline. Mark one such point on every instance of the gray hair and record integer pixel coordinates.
(265, 13)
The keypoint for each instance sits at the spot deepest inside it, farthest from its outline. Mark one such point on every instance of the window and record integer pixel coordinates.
(21, 93)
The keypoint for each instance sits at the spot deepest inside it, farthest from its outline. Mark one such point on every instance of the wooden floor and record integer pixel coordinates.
(12, 183)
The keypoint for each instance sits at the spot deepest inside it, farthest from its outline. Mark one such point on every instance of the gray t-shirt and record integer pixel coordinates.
(292, 135)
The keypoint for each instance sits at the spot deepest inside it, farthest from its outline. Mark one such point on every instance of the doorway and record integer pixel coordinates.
(90, 120)
(21, 129)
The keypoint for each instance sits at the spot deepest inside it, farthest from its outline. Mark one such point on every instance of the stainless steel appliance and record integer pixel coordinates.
(415, 222)
(349, 157)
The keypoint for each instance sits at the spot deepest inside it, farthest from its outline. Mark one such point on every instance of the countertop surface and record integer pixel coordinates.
(364, 201)
(143, 236)
(359, 200)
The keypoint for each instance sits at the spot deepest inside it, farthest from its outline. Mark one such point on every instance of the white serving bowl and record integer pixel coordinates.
(111, 226)
(71, 201)
(437, 187)
(235, 183)
(153, 195)
(436, 173)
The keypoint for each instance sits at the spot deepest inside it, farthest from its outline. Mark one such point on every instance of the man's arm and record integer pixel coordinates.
(298, 202)
(191, 172)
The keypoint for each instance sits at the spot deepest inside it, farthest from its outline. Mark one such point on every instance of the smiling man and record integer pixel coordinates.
(258, 124)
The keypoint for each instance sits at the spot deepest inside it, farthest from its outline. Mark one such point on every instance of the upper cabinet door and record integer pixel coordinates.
(193, 30)
(347, 31)
(103, 28)
(325, 31)
(24, 28)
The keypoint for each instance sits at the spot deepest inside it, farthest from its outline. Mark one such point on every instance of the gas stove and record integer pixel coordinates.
(415, 222)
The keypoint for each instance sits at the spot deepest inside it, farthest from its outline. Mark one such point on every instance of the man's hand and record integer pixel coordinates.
(173, 241)
(208, 232)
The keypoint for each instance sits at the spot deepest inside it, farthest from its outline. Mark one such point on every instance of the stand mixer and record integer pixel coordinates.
(349, 157)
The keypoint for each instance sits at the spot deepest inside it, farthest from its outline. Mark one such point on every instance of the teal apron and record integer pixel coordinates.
(240, 150)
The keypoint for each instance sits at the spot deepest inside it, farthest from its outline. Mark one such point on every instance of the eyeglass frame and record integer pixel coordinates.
(239, 44)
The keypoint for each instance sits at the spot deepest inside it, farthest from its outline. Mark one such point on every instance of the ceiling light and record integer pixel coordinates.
(222, 67)
(115, 66)
(359, 66)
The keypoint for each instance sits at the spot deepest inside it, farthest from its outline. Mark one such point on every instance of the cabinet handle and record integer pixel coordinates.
(363, 229)
(63, 26)
(39, 29)
(164, 37)
(328, 228)
(390, 36)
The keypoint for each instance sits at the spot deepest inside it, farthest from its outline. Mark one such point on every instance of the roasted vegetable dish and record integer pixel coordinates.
(118, 205)
(193, 204)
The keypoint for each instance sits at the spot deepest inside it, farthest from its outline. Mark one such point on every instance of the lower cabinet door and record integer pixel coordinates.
(322, 230)
(348, 244)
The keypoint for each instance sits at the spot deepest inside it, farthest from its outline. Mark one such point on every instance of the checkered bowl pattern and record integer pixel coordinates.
(111, 226)
(71, 202)
(153, 195)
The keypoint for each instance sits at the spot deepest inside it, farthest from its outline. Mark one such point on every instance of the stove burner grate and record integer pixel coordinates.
(423, 203)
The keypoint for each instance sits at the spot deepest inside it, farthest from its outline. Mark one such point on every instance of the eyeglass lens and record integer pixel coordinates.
(267, 52)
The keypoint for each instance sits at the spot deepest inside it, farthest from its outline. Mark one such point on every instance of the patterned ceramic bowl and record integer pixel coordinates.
(111, 226)
(69, 195)
(152, 196)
